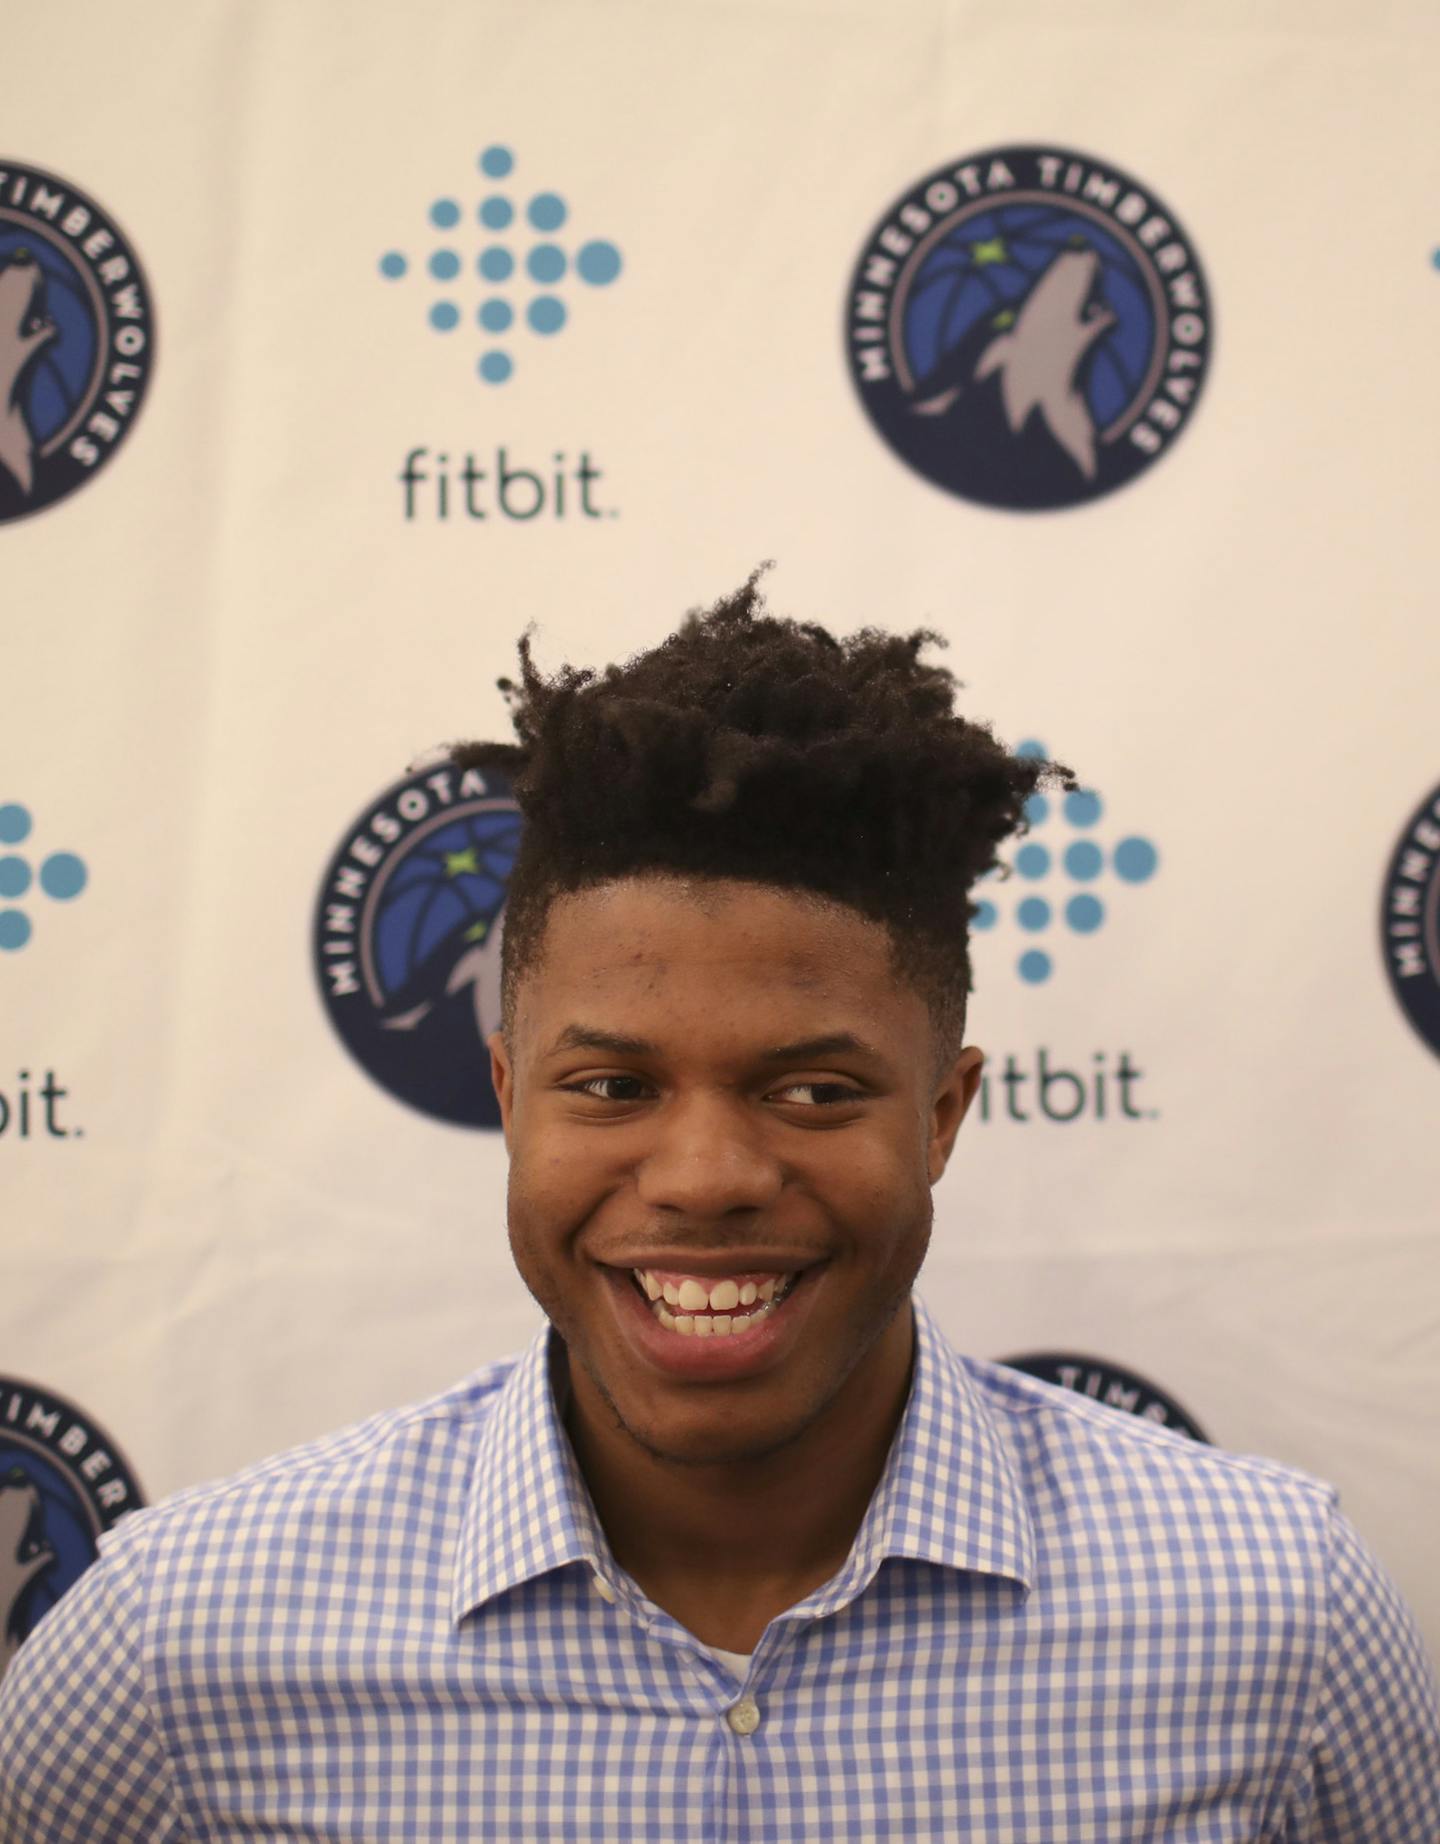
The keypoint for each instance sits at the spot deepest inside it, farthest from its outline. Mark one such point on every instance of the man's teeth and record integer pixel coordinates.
(703, 1310)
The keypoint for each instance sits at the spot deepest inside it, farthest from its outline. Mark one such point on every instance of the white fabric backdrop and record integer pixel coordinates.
(224, 647)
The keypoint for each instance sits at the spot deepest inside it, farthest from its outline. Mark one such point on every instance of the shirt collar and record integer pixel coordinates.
(948, 1494)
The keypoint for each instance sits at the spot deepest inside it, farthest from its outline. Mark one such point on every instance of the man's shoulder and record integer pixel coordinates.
(412, 1461)
(1128, 1472)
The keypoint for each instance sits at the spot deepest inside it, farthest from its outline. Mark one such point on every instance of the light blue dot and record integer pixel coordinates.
(1037, 809)
(1033, 914)
(444, 213)
(496, 162)
(984, 916)
(1030, 749)
(546, 262)
(547, 211)
(598, 263)
(495, 315)
(496, 213)
(1032, 861)
(1034, 966)
(444, 316)
(496, 264)
(1435, 258)
(393, 264)
(63, 875)
(14, 929)
(1083, 860)
(1135, 860)
(495, 367)
(14, 824)
(14, 877)
(444, 265)
(1082, 808)
(1085, 913)
(546, 314)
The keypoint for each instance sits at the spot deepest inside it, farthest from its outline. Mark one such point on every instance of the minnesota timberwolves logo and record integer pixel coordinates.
(1105, 1382)
(62, 1485)
(407, 938)
(1410, 920)
(1028, 328)
(77, 338)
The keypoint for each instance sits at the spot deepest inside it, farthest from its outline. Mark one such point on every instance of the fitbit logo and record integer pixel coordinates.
(31, 1109)
(504, 259)
(467, 488)
(1025, 1089)
(1071, 868)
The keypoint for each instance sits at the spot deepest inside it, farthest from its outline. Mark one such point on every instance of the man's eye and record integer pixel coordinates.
(609, 1088)
(820, 1094)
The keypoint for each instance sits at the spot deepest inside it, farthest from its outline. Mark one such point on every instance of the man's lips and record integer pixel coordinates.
(716, 1266)
(681, 1353)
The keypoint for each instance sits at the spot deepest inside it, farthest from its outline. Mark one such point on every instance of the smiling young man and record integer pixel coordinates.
(722, 1144)
(739, 1548)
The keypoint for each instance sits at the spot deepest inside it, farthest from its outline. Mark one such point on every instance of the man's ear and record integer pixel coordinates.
(956, 1090)
(502, 1074)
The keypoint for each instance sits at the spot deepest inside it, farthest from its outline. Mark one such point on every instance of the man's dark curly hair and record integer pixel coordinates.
(764, 749)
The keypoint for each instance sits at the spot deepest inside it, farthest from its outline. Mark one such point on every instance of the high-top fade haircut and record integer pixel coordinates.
(763, 749)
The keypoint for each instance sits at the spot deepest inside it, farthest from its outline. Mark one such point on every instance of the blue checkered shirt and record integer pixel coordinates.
(1057, 1625)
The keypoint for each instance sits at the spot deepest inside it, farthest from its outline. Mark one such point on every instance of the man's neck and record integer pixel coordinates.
(726, 1548)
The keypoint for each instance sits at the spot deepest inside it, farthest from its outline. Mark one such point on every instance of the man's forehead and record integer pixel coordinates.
(641, 928)
(724, 968)
(669, 947)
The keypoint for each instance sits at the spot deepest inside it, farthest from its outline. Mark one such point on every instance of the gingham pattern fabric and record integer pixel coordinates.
(1057, 1625)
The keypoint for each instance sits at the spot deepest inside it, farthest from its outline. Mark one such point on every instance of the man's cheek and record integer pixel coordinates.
(873, 1174)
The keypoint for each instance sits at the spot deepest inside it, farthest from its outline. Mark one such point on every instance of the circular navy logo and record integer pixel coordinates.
(1105, 1382)
(77, 338)
(1028, 327)
(1410, 920)
(63, 1484)
(407, 938)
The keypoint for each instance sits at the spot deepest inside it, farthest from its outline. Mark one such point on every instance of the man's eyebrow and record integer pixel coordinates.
(809, 1049)
(803, 1050)
(584, 1037)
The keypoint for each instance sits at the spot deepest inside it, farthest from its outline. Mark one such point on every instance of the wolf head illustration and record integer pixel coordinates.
(25, 329)
(23, 1554)
(1037, 358)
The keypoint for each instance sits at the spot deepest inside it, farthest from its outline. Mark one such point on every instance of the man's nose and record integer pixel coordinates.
(710, 1156)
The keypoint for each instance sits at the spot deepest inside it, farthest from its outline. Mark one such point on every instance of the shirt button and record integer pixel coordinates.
(604, 1590)
(744, 1716)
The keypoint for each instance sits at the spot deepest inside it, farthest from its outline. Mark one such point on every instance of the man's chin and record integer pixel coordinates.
(701, 1435)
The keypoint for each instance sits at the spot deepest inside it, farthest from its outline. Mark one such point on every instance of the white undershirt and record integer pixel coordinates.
(739, 1662)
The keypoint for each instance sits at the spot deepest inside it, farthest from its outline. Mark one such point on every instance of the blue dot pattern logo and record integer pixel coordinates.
(1028, 328)
(529, 255)
(77, 339)
(1069, 855)
(63, 1484)
(408, 930)
(61, 876)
